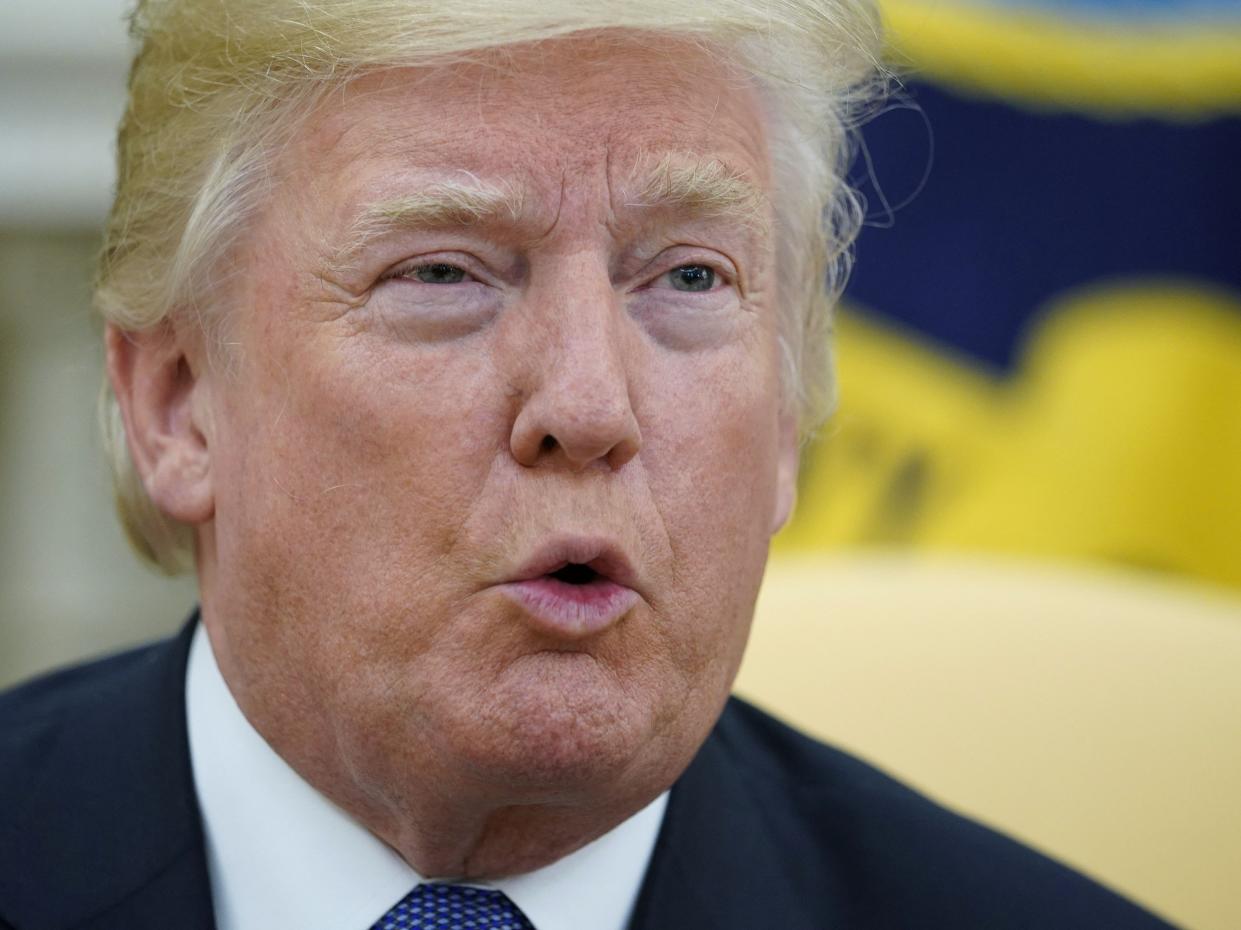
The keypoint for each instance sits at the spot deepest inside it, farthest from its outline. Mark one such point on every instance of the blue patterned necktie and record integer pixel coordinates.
(453, 907)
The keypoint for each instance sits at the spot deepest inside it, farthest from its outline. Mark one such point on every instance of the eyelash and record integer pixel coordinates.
(719, 278)
(409, 270)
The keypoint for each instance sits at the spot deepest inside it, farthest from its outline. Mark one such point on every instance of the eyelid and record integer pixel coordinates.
(405, 267)
(725, 270)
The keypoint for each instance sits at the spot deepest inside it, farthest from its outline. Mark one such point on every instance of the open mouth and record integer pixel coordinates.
(574, 588)
(575, 573)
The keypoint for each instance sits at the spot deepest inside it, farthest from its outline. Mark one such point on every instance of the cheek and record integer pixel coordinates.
(360, 467)
(711, 436)
(370, 423)
(712, 461)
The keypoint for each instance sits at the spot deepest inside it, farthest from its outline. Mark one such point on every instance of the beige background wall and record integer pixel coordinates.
(68, 585)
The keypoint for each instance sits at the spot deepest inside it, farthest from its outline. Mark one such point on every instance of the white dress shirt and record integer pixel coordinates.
(280, 854)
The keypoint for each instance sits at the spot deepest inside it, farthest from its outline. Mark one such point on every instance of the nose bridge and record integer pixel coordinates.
(577, 404)
(587, 355)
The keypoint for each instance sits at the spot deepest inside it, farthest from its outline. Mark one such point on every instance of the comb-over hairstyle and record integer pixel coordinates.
(219, 85)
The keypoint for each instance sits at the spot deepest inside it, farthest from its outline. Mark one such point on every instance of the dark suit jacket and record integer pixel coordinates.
(99, 828)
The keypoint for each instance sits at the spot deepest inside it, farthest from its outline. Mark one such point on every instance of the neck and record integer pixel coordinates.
(510, 840)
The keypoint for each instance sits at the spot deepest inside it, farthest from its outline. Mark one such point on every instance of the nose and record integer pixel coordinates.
(576, 405)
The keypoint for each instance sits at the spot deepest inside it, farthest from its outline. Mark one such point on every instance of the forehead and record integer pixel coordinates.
(556, 115)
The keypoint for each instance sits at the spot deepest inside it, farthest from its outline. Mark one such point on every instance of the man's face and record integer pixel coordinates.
(431, 410)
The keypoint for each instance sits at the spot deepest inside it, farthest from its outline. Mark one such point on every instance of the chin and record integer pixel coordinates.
(561, 723)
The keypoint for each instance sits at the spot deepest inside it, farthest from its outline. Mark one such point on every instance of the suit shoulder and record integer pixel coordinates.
(58, 691)
(96, 791)
(903, 852)
(38, 716)
(772, 750)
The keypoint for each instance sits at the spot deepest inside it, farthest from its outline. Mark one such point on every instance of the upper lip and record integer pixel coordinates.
(602, 556)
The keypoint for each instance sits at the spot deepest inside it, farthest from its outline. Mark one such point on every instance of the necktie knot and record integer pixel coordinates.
(453, 907)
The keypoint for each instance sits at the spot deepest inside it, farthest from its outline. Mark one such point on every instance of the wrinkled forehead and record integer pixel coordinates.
(572, 113)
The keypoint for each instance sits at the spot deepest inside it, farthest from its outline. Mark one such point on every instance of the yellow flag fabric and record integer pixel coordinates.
(1040, 352)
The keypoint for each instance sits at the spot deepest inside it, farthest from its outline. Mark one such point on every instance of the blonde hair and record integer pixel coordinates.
(219, 85)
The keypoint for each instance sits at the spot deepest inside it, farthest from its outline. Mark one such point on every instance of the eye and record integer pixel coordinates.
(435, 273)
(692, 278)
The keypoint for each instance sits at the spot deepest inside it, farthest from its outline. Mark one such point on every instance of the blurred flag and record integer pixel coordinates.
(1041, 348)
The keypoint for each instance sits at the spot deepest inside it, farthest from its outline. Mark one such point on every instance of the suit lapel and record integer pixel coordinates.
(716, 864)
(113, 814)
(178, 896)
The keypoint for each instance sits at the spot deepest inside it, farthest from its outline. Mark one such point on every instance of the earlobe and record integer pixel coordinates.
(787, 467)
(159, 393)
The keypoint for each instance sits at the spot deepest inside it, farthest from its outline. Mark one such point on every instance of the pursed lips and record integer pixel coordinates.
(574, 587)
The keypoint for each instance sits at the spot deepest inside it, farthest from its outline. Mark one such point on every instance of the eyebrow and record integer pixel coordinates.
(441, 203)
(676, 181)
(704, 186)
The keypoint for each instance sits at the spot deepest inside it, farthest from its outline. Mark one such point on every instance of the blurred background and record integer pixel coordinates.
(1041, 352)
(68, 585)
(1039, 437)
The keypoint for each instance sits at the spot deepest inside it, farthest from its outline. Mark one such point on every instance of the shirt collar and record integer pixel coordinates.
(281, 854)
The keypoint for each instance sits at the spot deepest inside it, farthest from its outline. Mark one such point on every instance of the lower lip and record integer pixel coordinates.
(571, 610)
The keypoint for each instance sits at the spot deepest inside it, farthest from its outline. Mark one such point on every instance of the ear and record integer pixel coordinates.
(164, 408)
(787, 464)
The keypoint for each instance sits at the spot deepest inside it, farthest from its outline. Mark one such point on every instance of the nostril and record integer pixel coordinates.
(548, 443)
(574, 573)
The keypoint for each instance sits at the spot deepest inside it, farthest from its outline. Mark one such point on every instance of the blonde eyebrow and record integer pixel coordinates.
(442, 203)
(707, 187)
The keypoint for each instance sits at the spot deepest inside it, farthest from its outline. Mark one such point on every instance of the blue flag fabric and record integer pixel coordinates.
(1040, 350)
